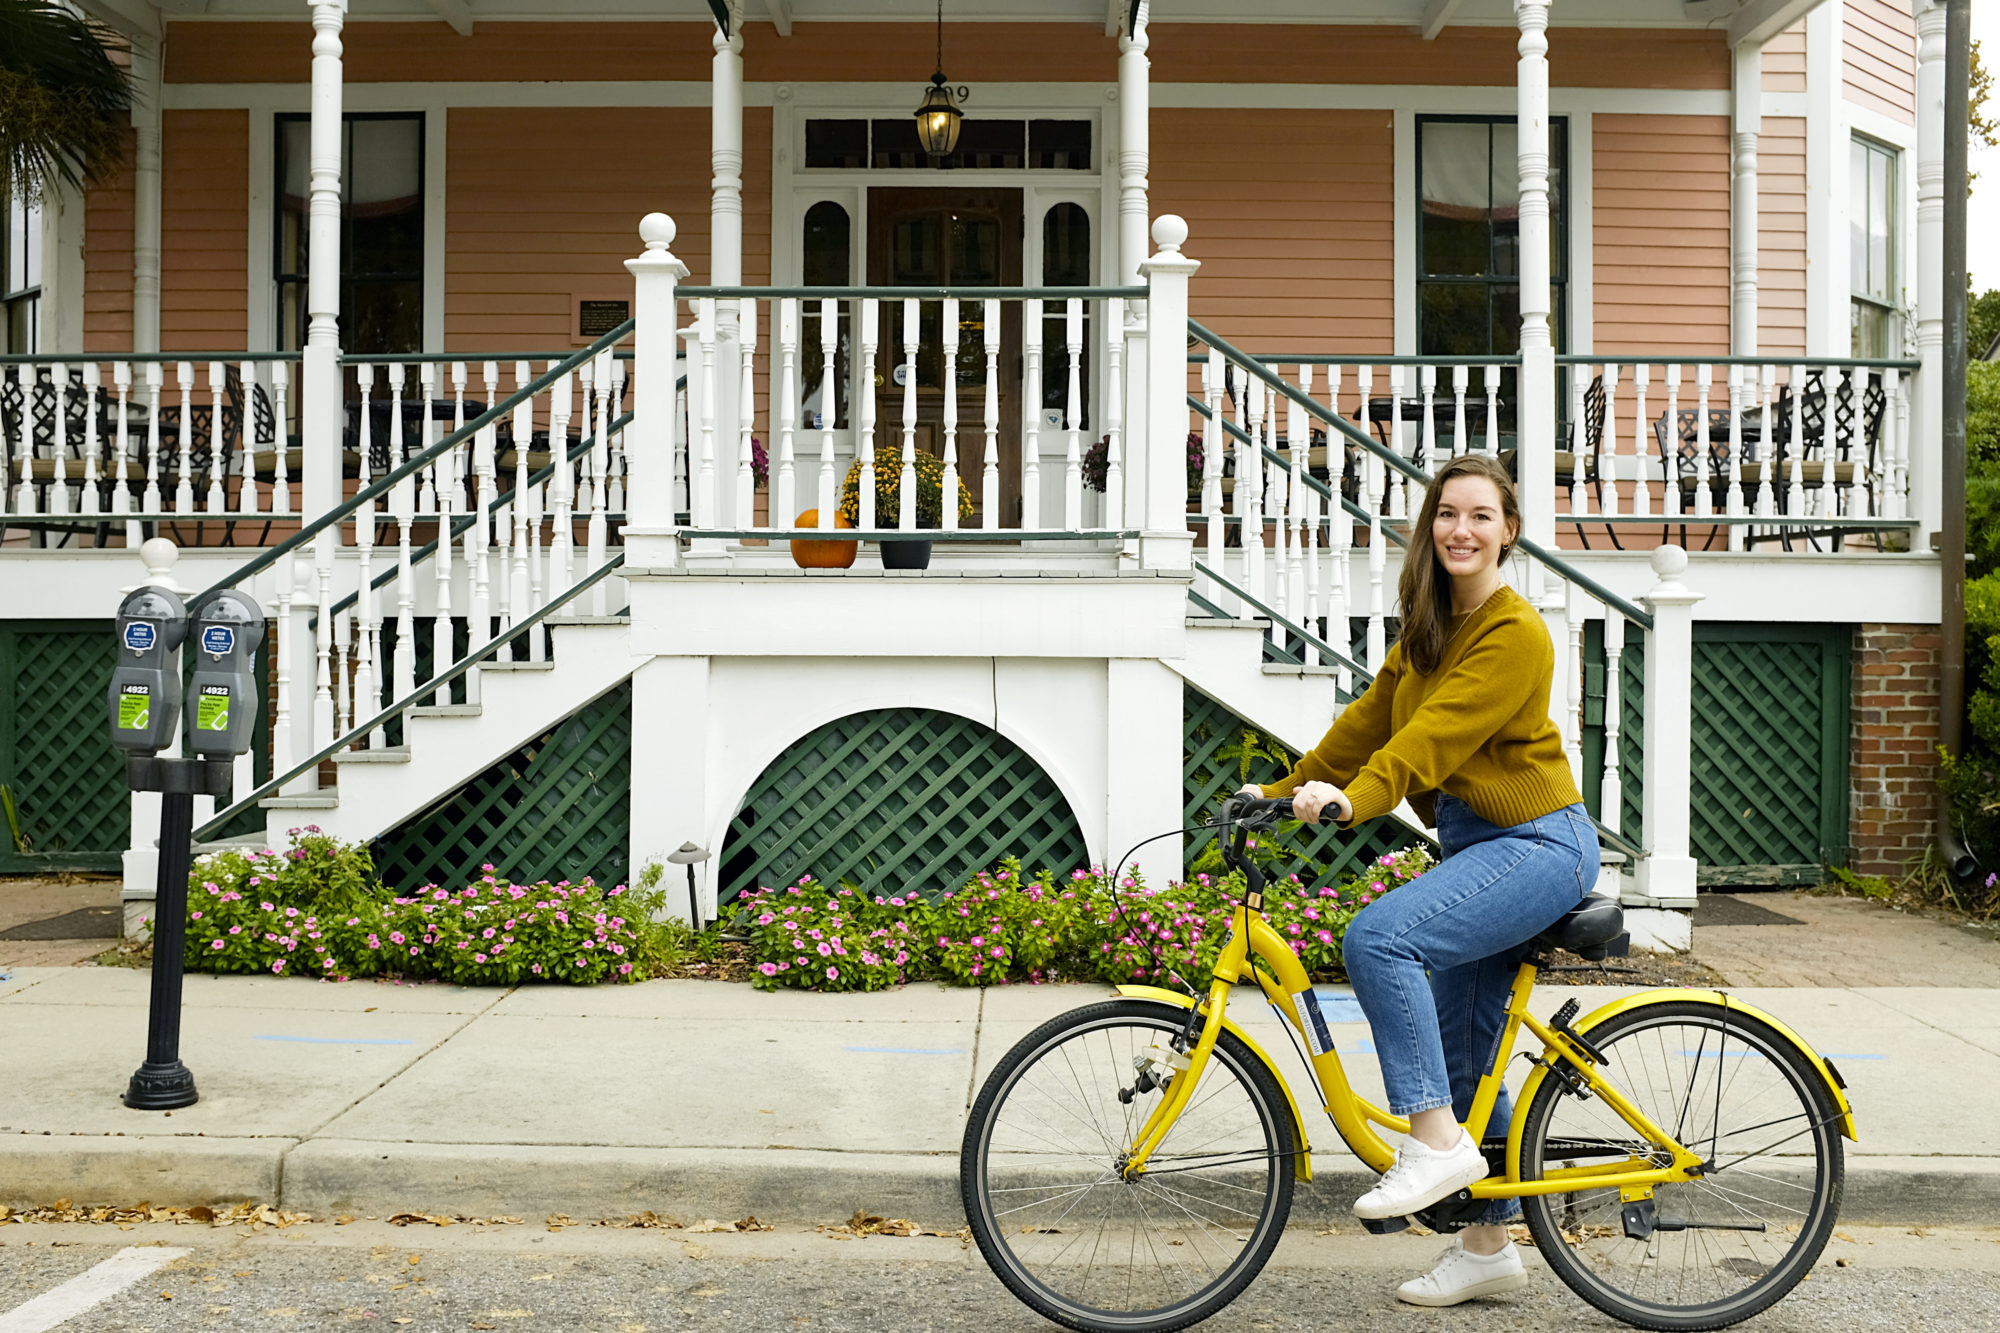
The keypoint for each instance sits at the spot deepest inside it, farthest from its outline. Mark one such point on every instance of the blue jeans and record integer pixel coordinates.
(1433, 962)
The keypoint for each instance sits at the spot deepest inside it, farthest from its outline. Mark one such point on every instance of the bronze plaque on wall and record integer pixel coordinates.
(594, 319)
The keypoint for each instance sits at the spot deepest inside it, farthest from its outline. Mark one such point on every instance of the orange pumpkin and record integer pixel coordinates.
(823, 554)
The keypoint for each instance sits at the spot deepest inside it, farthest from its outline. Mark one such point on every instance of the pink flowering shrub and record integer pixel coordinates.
(1002, 927)
(496, 933)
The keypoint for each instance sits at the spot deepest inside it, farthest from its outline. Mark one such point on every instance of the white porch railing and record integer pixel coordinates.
(142, 438)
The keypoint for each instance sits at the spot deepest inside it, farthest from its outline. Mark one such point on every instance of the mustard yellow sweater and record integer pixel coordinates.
(1477, 727)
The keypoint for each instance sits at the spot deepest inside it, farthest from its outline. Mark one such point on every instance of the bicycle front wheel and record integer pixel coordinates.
(1727, 1245)
(1045, 1194)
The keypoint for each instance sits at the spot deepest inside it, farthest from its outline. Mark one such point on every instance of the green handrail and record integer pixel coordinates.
(1361, 673)
(915, 293)
(417, 462)
(436, 685)
(1630, 610)
(1353, 510)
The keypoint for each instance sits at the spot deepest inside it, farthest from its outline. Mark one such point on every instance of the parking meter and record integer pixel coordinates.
(145, 698)
(224, 630)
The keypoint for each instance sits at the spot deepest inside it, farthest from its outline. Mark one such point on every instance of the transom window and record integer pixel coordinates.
(1871, 247)
(381, 232)
(983, 145)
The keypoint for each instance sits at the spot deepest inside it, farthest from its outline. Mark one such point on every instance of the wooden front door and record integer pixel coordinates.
(950, 238)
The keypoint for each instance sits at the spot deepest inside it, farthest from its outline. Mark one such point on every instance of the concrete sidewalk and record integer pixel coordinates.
(704, 1099)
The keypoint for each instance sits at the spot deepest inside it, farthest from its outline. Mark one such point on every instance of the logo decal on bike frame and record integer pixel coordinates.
(1312, 1022)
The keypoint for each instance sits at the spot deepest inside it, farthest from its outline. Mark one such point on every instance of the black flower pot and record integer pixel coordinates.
(907, 554)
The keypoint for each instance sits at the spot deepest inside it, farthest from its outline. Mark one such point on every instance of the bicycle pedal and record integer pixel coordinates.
(1384, 1226)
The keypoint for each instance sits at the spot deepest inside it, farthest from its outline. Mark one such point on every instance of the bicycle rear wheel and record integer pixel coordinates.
(1041, 1174)
(1730, 1243)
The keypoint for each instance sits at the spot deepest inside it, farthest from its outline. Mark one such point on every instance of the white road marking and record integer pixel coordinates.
(88, 1289)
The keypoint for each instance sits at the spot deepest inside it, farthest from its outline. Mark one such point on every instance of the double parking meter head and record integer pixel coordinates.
(224, 631)
(145, 699)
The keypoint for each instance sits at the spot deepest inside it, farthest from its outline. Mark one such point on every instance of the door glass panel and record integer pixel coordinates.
(1065, 263)
(828, 260)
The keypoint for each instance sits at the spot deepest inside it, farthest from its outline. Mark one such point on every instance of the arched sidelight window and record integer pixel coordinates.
(1065, 263)
(827, 262)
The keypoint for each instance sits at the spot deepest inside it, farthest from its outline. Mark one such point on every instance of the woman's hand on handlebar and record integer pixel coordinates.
(1314, 798)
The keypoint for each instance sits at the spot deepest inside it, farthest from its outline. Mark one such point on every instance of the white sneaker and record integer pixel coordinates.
(1422, 1176)
(1461, 1276)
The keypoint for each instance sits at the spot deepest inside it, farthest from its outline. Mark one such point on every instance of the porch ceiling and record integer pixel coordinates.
(1423, 15)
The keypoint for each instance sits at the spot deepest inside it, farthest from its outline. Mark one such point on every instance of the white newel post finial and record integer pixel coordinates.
(1926, 437)
(1537, 410)
(1156, 496)
(1666, 876)
(650, 537)
(319, 376)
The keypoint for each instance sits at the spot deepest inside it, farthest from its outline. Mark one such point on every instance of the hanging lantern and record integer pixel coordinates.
(938, 118)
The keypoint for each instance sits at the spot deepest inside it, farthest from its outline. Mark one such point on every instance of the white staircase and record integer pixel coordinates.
(446, 745)
(1225, 661)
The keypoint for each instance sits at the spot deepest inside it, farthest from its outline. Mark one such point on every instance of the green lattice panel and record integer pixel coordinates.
(558, 808)
(898, 799)
(1211, 772)
(1770, 744)
(56, 758)
(1631, 724)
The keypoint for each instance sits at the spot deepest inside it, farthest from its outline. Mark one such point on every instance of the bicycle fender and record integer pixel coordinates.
(1619, 1006)
(1161, 995)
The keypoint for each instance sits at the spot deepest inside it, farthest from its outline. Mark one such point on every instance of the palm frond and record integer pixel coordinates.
(63, 98)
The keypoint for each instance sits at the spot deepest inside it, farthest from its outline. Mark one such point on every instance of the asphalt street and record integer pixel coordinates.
(590, 1279)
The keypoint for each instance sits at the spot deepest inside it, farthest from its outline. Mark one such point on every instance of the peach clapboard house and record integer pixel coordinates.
(369, 272)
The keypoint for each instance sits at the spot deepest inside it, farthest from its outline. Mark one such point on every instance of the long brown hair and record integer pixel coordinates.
(1424, 588)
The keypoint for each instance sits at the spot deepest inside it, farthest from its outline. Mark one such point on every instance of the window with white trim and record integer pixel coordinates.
(381, 232)
(1871, 248)
(21, 265)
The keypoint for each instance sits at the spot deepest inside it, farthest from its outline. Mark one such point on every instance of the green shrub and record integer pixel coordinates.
(497, 933)
(1982, 411)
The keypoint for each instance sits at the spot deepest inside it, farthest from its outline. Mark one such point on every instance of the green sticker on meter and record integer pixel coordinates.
(134, 708)
(212, 713)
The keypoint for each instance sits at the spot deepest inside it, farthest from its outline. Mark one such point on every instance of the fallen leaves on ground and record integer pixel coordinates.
(444, 1220)
(865, 1223)
(747, 1224)
(642, 1222)
(253, 1215)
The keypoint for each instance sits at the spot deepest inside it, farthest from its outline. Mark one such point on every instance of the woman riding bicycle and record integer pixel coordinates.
(1457, 721)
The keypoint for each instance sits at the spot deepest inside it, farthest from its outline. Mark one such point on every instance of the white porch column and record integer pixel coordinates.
(146, 85)
(1747, 93)
(1135, 111)
(650, 540)
(1827, 139)
(1927, 415)
(319, 377)
(1536, 412)
(727, 247)
(1666, 876)
(1165, 541)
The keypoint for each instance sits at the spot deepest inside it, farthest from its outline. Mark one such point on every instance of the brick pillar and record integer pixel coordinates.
(1893, 759)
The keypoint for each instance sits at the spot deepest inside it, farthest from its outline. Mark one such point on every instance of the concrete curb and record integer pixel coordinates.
(328, 1177)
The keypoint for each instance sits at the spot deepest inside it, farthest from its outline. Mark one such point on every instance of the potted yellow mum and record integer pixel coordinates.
(906, 554)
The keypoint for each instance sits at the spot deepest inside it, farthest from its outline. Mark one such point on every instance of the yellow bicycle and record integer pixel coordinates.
(1130, 1165)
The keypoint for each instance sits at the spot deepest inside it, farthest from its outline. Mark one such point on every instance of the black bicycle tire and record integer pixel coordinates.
(1275, 1114)
(1777, 1282)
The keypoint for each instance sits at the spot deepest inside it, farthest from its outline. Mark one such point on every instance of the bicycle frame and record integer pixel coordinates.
(1357, 1119)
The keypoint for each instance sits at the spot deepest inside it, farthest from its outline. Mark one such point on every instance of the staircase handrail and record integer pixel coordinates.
(1361, 673)
(1630, 610)
(463, 523)
(1352, 509)
(417, 462)
(436, 685)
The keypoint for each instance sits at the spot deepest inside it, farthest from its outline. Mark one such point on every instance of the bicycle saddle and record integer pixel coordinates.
(1594, 928)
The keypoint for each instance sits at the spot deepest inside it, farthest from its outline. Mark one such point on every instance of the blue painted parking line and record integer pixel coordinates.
(906, 1050)
(338, 1041)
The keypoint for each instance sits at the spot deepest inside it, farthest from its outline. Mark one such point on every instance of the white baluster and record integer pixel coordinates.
(1608, 467)
(403, 505)
(1704, 501)
(562, 498)
(1795, 494)
(1277, 505)
(1298, 443)
(1427, 380)
(1573, 676)
(1642, 495)
(746, 423)
(478, 539)
(948, 365)
(1733, 497)
(1073, 417)
(1211, 472)
(1249, 491)
(785, 484)
(1578, 496)
(1491, 376)
(614, 470)
(1398, 484)
(906, 478)
(1460, 375)
(520, 590)
(322, 575)
(829, 411)
(24, 468)
(368, 651)
(1371, 501)
(284, 742)
(1670, 496)
(871, 336)
(1340, 532)
(1766, 497)
(215, 501)
(441, 635)
(1114, 413)
(459, 469)
(1895, 445)
(704, 473)
(92, 445)
(989, 473)
(184, 482)
(248, 501)
(596, 462)
(149, 501)
(343, 713)
(121, 499)
(59, 433)
(1031, 415)
(427, 500)
(281, 474)
(1839, 441)
(1611, 786)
